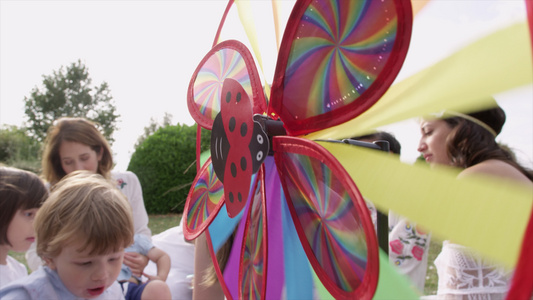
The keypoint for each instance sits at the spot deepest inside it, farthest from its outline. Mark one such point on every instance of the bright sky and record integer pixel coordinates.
(147, 51)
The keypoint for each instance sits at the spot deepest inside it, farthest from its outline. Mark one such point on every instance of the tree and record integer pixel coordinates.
(68, 93)
(161, 162)
(19, 150)
(165, 165)
(153, 127)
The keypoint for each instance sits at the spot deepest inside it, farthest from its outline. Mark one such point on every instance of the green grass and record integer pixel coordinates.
(159, 223)
(20, 257)
(431, 276)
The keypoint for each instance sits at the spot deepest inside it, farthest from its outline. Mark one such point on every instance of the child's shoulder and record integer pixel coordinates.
(15, 265)
(11, 271)
(35, 286)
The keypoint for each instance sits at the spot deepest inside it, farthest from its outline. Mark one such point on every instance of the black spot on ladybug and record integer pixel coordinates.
(243, 163)
(244, 129)
(232, 124)
(239, 197)
(233, 170)
(231, 197)
(228, 97)
(238, 97)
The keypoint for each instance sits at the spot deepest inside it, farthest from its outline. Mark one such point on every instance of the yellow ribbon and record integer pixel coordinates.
(245, 15)
(486, 214)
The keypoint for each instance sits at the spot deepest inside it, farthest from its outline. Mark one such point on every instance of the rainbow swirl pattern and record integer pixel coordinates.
(226, 63)
(252, 269)
(339, 50)
(205, 196)
(327, 216)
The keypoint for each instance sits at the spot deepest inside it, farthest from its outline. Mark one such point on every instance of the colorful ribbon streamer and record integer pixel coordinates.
(473, 212)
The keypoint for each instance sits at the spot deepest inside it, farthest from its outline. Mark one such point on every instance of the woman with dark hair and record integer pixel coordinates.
(468, 141)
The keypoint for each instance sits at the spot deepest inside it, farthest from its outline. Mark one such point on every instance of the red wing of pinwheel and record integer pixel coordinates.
(253, 271)
(337, 58)
(229, 59)
(330, 216)
(203, 201)
(244, 274)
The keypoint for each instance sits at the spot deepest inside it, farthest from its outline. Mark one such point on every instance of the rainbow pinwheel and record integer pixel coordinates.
(288, 207)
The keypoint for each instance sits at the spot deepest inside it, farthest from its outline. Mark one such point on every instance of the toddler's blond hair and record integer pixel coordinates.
(84, 207)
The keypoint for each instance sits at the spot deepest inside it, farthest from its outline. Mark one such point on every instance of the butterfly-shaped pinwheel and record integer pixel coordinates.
(284, 201)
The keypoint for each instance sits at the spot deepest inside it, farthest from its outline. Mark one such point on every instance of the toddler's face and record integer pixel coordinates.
(20, 233)
(84, 275)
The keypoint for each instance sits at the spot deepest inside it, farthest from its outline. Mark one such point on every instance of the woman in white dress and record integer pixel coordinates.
(468, 141)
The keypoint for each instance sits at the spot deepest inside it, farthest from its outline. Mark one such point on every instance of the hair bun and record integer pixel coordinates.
(493, 117)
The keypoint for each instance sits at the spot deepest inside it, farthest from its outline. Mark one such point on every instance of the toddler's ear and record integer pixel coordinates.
(49, 262)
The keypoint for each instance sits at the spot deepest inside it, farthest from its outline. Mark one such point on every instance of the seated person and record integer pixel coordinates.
(21, 195)
(155, 288)
(408, 242)
(181, 253)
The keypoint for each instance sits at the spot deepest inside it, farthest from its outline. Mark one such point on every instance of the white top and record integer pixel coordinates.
(464, 274)
(181, 253)
(11, 271)
(130, 186)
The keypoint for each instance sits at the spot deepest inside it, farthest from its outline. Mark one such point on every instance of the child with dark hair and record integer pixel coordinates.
(21, 195)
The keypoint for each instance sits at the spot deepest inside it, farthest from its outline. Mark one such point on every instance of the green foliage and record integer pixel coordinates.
(68, 93)
(153, 127)
(205, 140)
(164, 163)
(19, 150)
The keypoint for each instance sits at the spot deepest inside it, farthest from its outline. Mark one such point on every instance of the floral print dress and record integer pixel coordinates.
(408, 247)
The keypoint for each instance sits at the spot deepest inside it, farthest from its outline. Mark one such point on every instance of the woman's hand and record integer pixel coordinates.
(136, 262)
